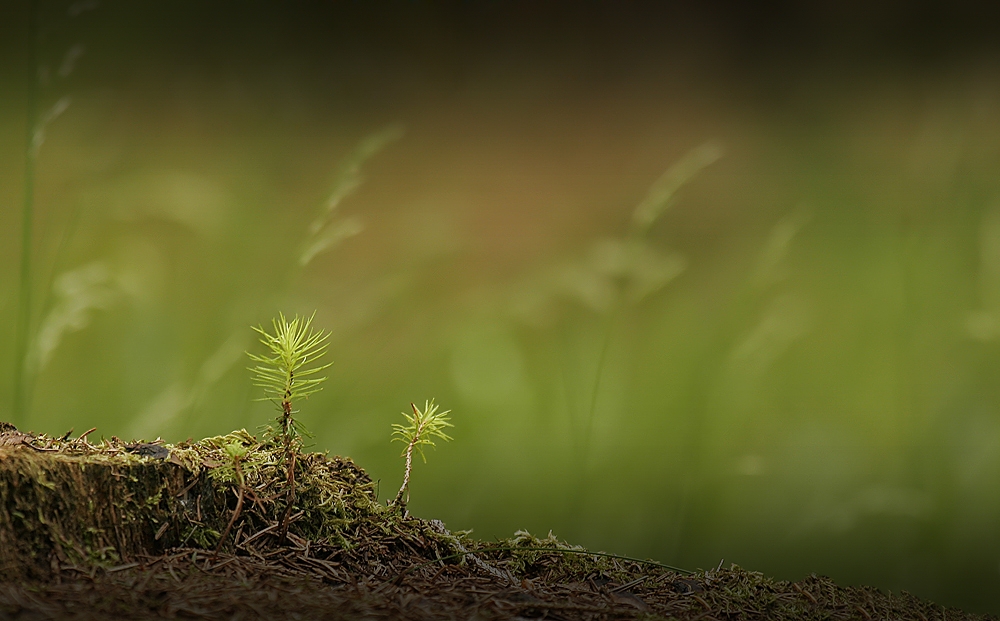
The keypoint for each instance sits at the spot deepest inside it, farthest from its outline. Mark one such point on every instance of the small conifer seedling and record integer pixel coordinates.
(420, 430)
(236, 452)
(287, 374)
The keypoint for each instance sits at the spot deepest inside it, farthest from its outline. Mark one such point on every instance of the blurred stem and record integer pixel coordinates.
(602, 357)
(46, 301)
(576, 501)
(23, 326)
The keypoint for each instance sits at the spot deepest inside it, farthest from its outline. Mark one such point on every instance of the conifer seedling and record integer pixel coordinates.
(421, 429)
(287, 374)
(236, 452)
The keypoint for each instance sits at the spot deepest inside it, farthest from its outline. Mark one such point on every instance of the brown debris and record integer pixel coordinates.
(188, 583)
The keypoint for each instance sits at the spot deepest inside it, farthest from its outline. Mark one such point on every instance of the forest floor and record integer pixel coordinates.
(187, 584)
(121, 530)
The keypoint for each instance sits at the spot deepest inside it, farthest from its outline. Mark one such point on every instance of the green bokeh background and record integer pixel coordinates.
(795, 369)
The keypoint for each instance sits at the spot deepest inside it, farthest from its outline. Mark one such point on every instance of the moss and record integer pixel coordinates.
(79, 518)
(67, 501)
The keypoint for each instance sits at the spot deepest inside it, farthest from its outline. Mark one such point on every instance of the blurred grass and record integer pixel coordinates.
(806, 385)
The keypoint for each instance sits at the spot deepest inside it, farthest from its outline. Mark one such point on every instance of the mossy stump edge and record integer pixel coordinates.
(68, 510)
(70, 503)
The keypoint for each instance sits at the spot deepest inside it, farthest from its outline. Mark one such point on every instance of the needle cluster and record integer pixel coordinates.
(284, 372)
(287, 374)
(421, 429)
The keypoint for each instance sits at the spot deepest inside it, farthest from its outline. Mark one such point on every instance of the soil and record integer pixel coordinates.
(119, 530)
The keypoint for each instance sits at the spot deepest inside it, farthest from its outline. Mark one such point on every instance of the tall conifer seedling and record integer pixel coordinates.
(287, 374)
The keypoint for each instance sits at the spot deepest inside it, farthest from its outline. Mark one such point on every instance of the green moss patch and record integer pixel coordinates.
(193, 530)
